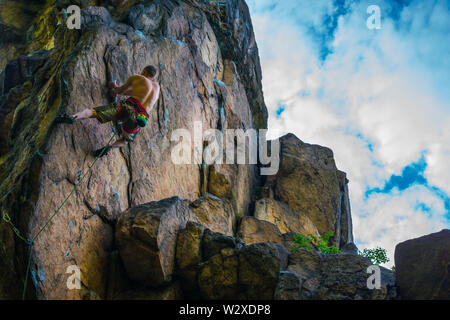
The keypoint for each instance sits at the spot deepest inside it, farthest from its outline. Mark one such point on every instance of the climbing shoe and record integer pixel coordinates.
(98, 152)
(64, 119)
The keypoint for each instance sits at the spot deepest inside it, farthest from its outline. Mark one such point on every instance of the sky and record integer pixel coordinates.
(379, 98)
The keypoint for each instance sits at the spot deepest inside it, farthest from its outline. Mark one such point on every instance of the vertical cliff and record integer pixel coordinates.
(209, 69)
(209, 74)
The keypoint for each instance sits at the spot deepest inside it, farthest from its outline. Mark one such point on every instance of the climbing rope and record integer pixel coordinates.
(30, 242)
(7, 219)
(64, 86)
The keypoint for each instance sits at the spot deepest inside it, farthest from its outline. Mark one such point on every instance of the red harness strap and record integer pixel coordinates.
(138, 107)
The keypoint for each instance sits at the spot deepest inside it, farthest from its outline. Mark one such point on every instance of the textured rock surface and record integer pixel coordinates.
(218, 276)
(214, 213)
(219, 267)
(288, 287)
(259, 268)
(146, 236)
(129, 226)
(309, 182)
(208, 73)
(338, 277)
(252, 230)
(189, 255)
(26, 26)
(285, 218)
(422, 267)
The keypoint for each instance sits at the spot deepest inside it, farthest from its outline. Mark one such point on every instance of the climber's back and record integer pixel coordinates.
(142, 87)
(147, 91)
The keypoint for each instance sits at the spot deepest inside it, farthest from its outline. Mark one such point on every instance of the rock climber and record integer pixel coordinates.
(128, 116)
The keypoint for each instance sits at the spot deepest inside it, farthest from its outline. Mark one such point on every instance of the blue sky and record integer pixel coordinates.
(378, 98)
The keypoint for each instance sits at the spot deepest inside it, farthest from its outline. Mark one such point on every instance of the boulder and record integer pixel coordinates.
(218, 276)
(309, 182)
(259, 268)
(227, 269)
(214, 242)
(422, 267)
(189, 245)
(339, 276)
(288, 287)
(285, 218)
(252, 230)
(344, 277)
(214, 214)
(305, 264)
(146, 236)
(189, 256)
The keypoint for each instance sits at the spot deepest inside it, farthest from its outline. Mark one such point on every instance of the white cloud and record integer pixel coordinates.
(397, 216)
(387, 85)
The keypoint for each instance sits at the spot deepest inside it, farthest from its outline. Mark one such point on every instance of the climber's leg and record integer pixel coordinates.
(98, 152)
(85, 114)
(105, 113)
(122, 142)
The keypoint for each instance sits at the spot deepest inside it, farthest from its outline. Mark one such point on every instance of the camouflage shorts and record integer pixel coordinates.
(108, 113)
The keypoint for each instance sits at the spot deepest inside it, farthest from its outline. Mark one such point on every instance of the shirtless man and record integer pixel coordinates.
(130, 115)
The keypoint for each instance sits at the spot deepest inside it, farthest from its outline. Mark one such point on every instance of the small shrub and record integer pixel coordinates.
(377, 256)
(311, 242)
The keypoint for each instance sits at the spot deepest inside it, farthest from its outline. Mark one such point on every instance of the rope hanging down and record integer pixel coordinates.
(30, 242)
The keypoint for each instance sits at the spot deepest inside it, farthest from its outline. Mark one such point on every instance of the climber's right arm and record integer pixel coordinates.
(127, 88)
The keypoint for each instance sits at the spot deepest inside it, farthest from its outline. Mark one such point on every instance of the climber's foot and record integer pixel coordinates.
(98, 152)
(65, 119)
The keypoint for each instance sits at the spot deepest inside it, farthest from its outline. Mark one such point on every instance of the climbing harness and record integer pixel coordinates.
(31, 241)
(132, 109)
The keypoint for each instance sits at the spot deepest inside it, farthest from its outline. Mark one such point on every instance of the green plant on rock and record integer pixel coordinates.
(313, 242)
(377, 256)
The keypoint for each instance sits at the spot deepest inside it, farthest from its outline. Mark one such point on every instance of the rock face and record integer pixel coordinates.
(141, 226)
(146, 236)
(226, 268)
(422, 267)
(285, 218)
(211, 265)
(209, 73)
(259, 268)
(252, 230)
(214, 213)
(309, 183)
(334, 277)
